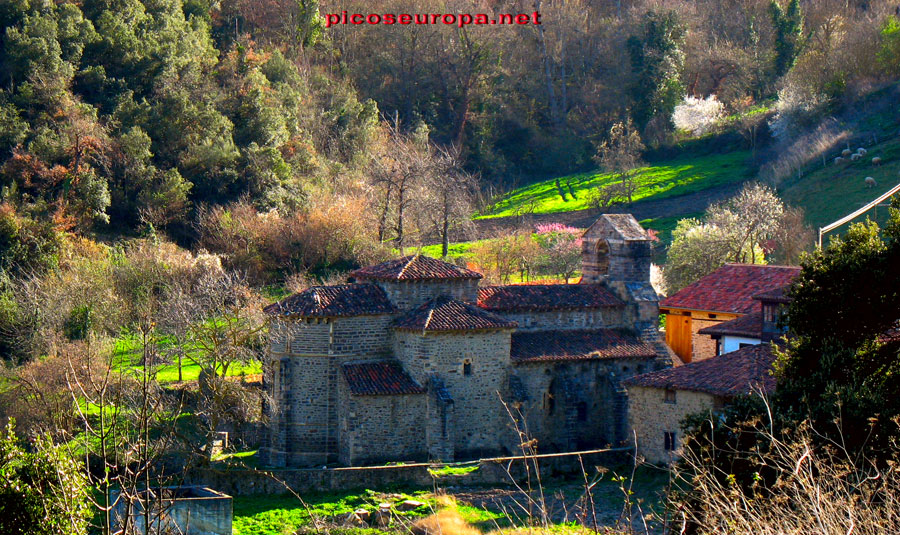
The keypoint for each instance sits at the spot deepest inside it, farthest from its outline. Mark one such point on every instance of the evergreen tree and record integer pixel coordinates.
(844, 358)
(788, 34)
(656, 64)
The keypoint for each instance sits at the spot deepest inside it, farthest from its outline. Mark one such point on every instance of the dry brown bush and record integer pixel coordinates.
(444, 522)
(39, 394)
(819, 487)
(330, 235)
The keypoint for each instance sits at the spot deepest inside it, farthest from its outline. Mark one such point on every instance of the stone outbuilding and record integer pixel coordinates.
(414, 360)
(659, 401)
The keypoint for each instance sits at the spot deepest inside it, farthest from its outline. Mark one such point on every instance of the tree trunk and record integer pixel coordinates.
(548, 76)
(445, 240)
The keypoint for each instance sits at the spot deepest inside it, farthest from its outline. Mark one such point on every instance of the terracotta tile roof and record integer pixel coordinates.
(576, 345)
(778, 295)
(731, 374)
(382, 378)
(537, 297)
(731, 288)
(334, 301)
(415, 267)
(749, 326)
(446, 314)
(891, 336)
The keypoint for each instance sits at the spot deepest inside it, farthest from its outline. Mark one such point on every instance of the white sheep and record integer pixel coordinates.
(846, 152)
(870, 182)
(861, 151)
(838, 160)
(876, 160)
(855, 157)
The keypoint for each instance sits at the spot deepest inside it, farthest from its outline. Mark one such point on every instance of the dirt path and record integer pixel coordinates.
(649, 209)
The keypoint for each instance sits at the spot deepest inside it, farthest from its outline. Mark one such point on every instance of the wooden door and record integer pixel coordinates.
(678, 335)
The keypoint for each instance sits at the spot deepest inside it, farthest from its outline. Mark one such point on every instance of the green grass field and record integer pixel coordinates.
(679, 176)
(275, 515)
(127, 354)
(455, 250)
(831, 192)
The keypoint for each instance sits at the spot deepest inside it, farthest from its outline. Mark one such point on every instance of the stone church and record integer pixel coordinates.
(413, 359)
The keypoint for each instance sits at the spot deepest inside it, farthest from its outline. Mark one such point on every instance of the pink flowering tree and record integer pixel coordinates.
(560, 249)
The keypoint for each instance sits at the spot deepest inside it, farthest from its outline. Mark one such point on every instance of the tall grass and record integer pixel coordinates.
(821, 489)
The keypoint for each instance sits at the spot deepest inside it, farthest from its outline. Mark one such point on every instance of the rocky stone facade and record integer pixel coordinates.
(415, 361)
(655, 412)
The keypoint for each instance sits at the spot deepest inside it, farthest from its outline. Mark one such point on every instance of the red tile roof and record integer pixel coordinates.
(749, 326)
(382, 378)
(778, 295)
(541, 346)
(334, 301)
(535, 297)
(416, 267)
(731, 374)
(446, 314)
(731, 288)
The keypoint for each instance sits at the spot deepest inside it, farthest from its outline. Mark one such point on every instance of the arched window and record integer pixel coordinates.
(467, 367)
(601, 257)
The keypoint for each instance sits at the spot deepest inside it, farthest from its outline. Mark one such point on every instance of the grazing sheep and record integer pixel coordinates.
(870, 182)
(861, 151)
(846, 152)
(838, 160)
(876, 160)
(855, 157)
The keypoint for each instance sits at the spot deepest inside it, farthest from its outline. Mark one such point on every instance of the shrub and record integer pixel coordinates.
(333, 235)
(42, 492)
(698, 115)
(26, 244)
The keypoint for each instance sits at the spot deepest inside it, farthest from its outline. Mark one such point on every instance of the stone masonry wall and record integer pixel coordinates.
(304, 421)
(556, 389)
(702, 346)
(362, 335)
(376, 429)
(650, 416)
(598, 318)
(475, 397)
(629, 261)
(408, 295)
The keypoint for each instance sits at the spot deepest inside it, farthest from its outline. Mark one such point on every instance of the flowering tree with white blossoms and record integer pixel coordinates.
(698, 115)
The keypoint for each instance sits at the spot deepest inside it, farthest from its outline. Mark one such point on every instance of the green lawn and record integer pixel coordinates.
(275, 515)
(128, 353)
(455, 250)
(669, 178)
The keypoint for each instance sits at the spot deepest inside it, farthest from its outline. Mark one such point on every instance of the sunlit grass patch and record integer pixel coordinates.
(678, 176)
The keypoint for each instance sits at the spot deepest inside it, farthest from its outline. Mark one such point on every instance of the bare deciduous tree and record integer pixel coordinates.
(449, 193)
(620, 154)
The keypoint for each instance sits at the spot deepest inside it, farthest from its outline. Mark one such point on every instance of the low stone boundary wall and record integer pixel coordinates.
(491, 471)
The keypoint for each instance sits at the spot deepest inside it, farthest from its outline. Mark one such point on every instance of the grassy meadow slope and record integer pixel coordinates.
(830, 191)
(682, 175)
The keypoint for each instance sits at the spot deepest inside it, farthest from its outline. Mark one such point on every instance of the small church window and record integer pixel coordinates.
(549, 402)
(669, 441)
(467, 367)
(670, 396)
(581, 410)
